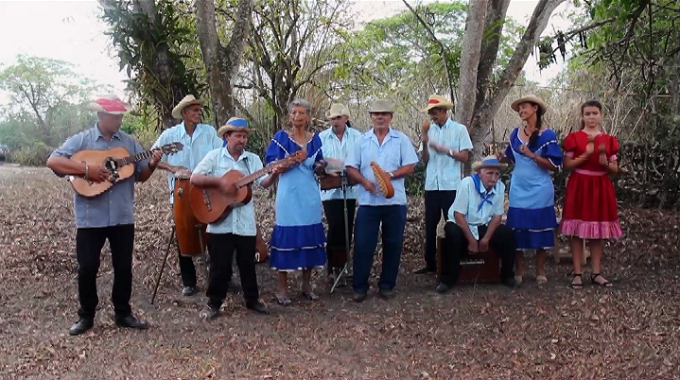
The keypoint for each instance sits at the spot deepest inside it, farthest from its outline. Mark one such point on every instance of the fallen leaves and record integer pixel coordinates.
(475, 332)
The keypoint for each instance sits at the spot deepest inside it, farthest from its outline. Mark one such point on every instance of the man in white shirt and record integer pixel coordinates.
(444, 149)
(337, 141)
(474, 224)
(198, 139)
(238, 230)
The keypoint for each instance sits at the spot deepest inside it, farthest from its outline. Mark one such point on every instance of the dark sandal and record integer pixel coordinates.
(606, 283)
(577, 286)
(282, 300)
(310, 296)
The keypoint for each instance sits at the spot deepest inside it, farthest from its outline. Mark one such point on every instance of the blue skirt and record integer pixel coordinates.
(297, 247)
(533, 228)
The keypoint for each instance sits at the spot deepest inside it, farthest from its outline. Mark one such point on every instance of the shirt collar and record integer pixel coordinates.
(225, 153)
(390, 133)
(183, 131)
(448, 124)
(98, 133)
(481, 190)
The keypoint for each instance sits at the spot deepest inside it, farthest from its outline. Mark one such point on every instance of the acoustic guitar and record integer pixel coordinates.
(117, 161)
(210, 204)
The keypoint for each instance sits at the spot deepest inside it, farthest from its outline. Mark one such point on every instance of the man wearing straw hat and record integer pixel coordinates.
(337, 141)
(393, 152)
(237, 232)
(198, 139)
(109, 215)
(474, 224)
(444, 149)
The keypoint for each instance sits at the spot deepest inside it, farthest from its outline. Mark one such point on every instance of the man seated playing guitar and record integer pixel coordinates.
(238, 230)
(109, 215)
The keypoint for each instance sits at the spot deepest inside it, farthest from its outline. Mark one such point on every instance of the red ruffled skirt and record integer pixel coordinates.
(590, 210)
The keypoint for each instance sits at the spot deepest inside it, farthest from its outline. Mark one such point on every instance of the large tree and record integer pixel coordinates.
(151, 38)
(479, 85)
(222, 60)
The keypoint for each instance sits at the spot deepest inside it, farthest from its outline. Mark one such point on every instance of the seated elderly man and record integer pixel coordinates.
(474, 224)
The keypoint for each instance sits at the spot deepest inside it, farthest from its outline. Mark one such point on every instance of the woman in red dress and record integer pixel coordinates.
(590, 210)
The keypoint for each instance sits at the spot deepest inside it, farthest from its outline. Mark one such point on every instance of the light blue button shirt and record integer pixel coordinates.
(203, 140)
(241, 220)
(396, 151)
(332, 147)
(443, 172)
(468, 200)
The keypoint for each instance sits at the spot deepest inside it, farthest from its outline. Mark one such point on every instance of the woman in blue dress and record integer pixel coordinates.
(535, 153)
(298, 240)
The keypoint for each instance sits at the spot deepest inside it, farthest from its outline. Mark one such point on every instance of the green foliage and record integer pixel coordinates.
(397, 57)
(160, 55)
(47, 104)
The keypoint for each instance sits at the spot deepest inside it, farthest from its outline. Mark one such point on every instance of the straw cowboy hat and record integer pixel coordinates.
(529, 99)
(111, 105)
(436, 101)
(381, 105)
(234, 124)
(188, 100)
(488, 162)
(336, 110)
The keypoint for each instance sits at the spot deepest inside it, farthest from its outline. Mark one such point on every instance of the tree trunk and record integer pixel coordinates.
(469, 61)
(161, 64)
(221, 63)
(493, 29)
(500, 88)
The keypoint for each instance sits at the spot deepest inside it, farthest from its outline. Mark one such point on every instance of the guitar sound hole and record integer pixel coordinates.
(110, 164)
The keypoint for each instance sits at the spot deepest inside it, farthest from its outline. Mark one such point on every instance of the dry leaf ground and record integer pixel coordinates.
(631, 331)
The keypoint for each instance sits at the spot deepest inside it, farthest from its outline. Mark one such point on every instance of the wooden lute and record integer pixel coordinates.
(117, 161)
(210, 204)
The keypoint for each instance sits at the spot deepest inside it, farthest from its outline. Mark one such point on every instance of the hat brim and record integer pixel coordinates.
(334, 115)
(478, 165)
(177, 111)
(538, 102)
(228, 128)
(446, 106)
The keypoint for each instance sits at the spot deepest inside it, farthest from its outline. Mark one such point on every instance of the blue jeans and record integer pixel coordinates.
(366, 230)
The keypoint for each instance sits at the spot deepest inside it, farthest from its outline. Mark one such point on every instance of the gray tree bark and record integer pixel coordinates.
(499, 89)
(469, 61)
(222, 62)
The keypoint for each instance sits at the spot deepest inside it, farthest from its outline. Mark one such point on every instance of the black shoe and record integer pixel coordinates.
(131, 322)
(511, 283)
(426, 270)
(443, 288)
(81, 326)
(386, 294)
(210, 313)
(359, 296)
(189, 291)
(258, 307)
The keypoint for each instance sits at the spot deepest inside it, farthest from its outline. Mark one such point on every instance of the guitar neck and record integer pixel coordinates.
(250, 178)
(136, 157)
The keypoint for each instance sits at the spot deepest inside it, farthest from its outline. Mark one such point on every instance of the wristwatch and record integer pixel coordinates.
(391, 174)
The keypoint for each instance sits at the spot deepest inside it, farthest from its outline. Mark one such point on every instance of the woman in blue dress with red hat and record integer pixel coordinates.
(298, 241)
(535, 152)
